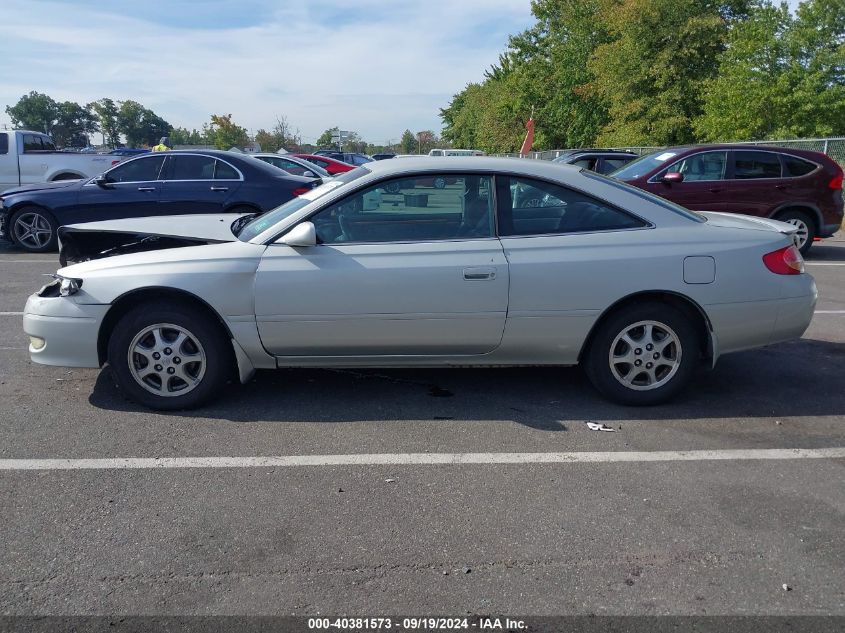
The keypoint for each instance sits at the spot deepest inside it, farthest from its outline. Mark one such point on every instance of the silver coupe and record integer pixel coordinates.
(459, 262)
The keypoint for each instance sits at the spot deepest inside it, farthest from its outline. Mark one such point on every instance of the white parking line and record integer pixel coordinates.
(419, 459)
(11, 313)
(29, 261)
(829, 312)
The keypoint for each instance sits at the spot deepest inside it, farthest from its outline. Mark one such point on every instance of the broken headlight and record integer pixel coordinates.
(60, 287)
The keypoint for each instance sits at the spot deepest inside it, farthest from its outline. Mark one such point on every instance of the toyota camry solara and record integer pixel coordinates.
(513, 262)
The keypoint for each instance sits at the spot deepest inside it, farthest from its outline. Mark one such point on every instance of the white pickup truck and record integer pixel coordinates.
(31, 157)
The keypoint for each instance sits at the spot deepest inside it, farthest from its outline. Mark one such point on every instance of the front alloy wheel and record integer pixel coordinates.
(170, 356)
(167, 360)
(34, 230)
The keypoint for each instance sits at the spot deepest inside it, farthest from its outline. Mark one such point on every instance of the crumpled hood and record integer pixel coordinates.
(740, 221)
(212, 226)
(61, 184)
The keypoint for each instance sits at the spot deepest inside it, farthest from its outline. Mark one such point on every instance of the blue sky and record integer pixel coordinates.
(373, 66)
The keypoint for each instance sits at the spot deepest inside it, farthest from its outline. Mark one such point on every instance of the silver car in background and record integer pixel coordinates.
(512, 262)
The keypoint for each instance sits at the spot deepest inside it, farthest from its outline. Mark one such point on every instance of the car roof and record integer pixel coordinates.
(524, 166)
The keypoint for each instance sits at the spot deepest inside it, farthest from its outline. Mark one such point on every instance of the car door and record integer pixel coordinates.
(418, 272)
(132, 189)
(754, 178)
(704, 187)
(197, 183)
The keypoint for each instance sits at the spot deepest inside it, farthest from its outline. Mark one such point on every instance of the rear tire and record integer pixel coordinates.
(806, 226)
(170, 356)
(643, 354)
(34, 230)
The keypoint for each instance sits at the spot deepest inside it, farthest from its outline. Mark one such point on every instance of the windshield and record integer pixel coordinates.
(263, 222)
(642, 166)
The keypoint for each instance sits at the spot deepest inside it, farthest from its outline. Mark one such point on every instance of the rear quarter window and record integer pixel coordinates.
(797, 167)
(4, 143)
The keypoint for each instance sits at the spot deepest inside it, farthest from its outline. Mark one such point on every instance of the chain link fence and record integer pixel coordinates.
(833, 147)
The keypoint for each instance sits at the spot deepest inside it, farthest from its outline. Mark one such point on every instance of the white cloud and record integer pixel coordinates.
(368, 65)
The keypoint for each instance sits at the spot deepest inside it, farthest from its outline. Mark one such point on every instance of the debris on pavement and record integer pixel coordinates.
(786, 587)
(594, 426)
(389, 481)
(466, 570)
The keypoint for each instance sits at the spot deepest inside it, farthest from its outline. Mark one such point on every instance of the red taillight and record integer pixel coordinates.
(300, 190)
(785, 261)
(836, 181)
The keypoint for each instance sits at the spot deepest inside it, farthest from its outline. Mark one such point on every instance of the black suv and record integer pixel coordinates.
(603, 161)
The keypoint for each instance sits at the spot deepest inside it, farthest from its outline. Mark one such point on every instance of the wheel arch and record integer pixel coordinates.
(67, 175)
(129, 300)
(699, 317)
(245, 205)
(804, 207)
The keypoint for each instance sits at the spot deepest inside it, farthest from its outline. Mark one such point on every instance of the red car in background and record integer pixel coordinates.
(334, 167)
(797, 186)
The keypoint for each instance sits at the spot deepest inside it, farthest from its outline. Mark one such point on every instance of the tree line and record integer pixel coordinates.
(71, 125)
(659, 72)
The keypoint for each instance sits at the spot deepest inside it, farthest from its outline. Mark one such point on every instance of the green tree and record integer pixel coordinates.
(140, 125)
(653, 70)
(408, 142)
(281, 136)
(34, 111)
(184, 136)
(73, 125)
(106, 112)
(227, 134)
(780, 76)
(325, 140)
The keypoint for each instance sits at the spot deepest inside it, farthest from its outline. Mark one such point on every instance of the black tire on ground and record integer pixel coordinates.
(210, 374)
(608, 377)
(34, 229)
(806, 228)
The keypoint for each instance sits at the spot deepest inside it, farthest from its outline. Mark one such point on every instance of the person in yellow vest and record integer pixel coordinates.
(163, 145)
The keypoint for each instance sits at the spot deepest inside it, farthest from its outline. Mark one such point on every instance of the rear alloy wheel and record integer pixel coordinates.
(806, 233)
(169, 357)
(643, 355)
(34, 230)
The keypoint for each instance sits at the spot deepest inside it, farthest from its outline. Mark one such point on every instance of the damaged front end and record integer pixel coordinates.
(81, 246)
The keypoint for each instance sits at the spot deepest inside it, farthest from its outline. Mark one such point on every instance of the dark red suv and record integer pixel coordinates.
(797, 186)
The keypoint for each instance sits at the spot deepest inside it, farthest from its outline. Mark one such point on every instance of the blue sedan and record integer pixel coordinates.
(165, 183)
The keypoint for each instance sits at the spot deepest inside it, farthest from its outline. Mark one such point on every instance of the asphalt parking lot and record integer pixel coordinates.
(617, 532)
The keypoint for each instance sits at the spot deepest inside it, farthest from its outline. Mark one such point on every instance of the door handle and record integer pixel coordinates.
(479, 274)
(715, 190)
(782, 187)
(220, 188)
(146, 188)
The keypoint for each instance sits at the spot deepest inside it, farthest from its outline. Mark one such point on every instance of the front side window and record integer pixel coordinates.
(192, 168)
(535, 207)
(704, 166)
(416, 209)
(138, 170)
(756, 165)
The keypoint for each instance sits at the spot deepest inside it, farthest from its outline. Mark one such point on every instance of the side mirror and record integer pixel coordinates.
(309, 174)
(102, 181)
(303, 234)
(672, 176)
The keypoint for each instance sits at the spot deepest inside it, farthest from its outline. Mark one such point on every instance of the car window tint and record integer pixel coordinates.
(704, 166)
(224, 171)
(756, 165)
(319, 162)
(534, 207)
(584, 163)
(422, 209)
(4, 143)
(32, 143)
(192, 168)
(138, 170)
(611, 164)
(291, 167)
(47, 145)
(797, 167)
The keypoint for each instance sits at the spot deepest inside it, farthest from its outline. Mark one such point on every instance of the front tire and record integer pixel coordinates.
(34, 230)
(643, 354)
(170, 357)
